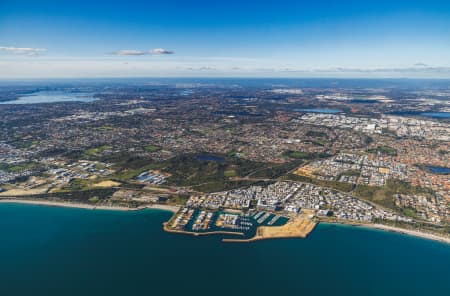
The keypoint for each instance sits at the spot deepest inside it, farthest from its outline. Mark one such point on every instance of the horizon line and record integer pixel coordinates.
(223, 77)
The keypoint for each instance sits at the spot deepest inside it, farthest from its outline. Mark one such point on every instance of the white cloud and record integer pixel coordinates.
(161, 51)
(136, 52)
(203, 68)
(129, 52)
(22, 50)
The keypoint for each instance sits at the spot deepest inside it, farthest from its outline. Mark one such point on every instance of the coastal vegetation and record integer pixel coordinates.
(341, 186)
(409, 212)
(277, 170)
(384, 195)
(207, 174)
(82, 196)
(225, 185)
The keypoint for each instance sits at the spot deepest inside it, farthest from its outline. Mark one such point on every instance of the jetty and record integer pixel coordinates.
(263, 218)
(168, 229)
(274, 220)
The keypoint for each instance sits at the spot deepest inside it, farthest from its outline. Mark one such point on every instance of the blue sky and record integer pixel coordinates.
(319, 38)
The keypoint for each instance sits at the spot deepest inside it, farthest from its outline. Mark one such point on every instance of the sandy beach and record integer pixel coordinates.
(170, 208)
(404, 231)
(408, 232)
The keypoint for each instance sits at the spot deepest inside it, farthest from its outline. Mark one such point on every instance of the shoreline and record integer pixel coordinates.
(48, 203)
(398, 230)
(174, 209)
(409, 232)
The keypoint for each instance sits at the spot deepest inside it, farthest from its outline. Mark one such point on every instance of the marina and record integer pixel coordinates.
(274, 219)
(263, 218)
(202, 222)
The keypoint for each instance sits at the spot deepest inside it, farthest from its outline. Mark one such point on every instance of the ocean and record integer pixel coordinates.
(66, 251)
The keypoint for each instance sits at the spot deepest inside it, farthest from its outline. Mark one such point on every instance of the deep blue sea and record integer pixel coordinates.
(62, 251)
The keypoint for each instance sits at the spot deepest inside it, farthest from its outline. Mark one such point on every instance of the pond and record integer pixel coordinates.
(438, 170)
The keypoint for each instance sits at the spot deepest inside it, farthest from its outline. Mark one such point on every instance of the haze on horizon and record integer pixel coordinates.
(52, 39)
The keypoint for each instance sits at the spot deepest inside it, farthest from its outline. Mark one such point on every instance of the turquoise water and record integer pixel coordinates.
(52, 97)
(62, 251)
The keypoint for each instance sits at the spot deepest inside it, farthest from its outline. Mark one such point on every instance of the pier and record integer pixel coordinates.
(263, 218)
(274, 220)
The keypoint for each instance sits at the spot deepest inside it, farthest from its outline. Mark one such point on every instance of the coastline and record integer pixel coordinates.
(409, 232)
(174, 209)
(398, 230)
(169, 208)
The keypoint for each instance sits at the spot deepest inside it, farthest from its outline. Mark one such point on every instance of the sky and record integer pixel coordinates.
(199, 38)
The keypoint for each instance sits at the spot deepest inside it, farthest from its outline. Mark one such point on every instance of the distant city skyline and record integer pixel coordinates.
(373, 39)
